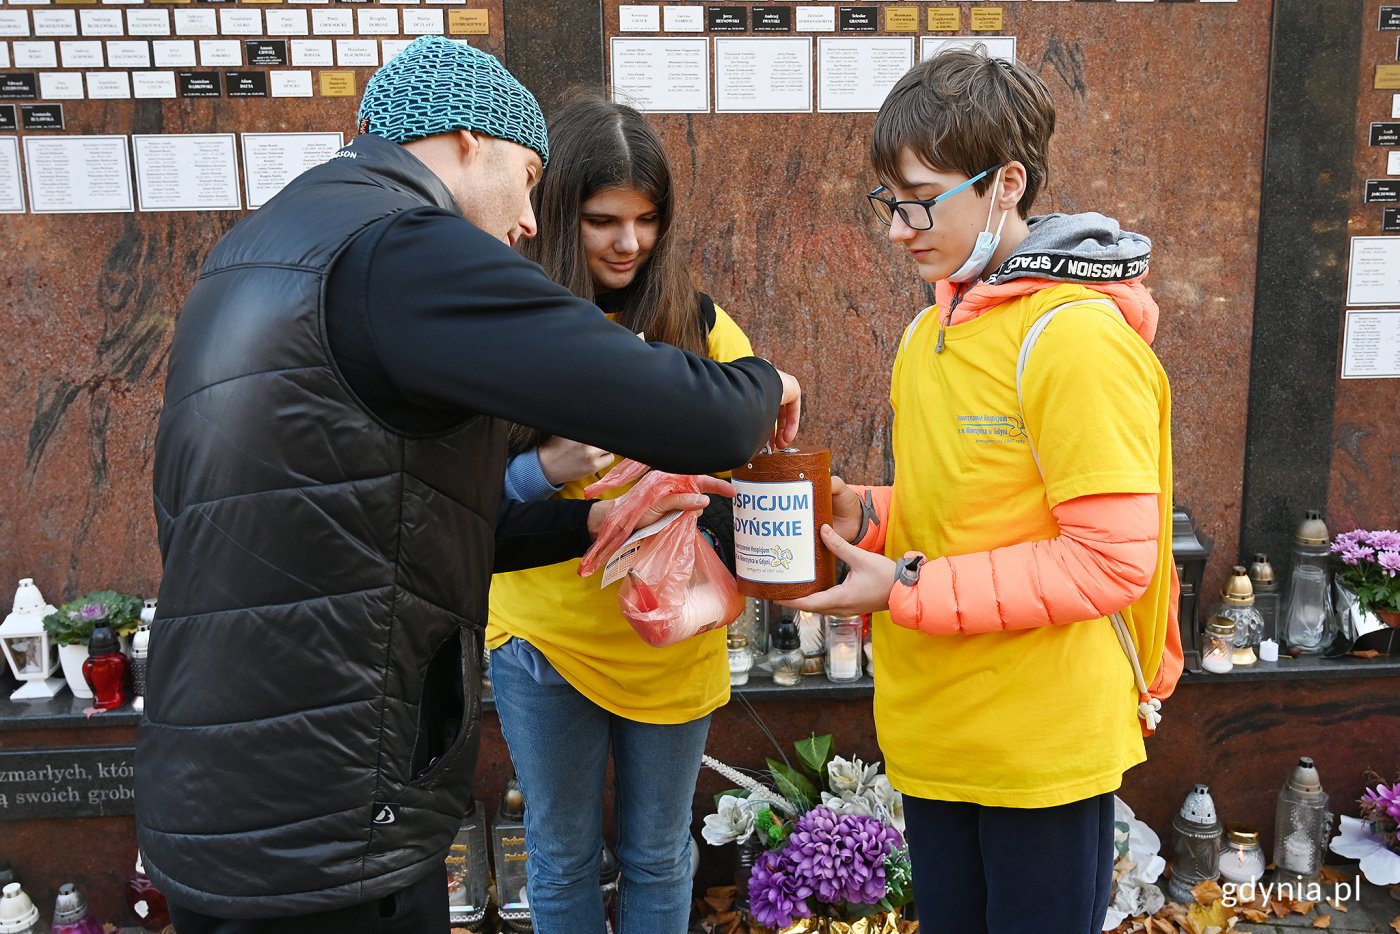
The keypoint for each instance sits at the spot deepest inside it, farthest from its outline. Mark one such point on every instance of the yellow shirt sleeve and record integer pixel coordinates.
(1091, 394)
(727, 342)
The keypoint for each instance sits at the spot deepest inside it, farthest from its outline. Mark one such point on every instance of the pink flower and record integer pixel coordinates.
(1385, 539)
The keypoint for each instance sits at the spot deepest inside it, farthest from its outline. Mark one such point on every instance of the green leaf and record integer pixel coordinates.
(815, 752)
(793, 785)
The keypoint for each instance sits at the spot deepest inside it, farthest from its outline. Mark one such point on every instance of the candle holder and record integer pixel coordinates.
(785, 659)
(740, 658)
(1218, 645)
(468, 877)
(1196, 854)
(512, 867)
(1242, 858)
(31, 654)
(1302, 826)
(843, 648)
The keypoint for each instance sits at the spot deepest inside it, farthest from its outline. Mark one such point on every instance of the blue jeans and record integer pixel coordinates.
(559, 742)
(1001, 870)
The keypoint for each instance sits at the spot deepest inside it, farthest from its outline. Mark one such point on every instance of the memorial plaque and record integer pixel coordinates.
(245, 83)
(1385, 134)
(266, 52)
(19, 85)
(1382, 191)
(727, 18)
(1389, 18)
(41, 116)
(199, 84)
(1390, 220)
(772, 19)
(857, 18)
(94, 781)
(7, 117)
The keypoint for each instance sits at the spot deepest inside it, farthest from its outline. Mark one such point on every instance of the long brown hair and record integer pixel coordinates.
(596, 144)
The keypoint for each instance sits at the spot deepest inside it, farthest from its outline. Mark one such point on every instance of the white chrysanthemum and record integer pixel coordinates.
(731, 823)
(890, 803)
(854, 776)
(847, 803)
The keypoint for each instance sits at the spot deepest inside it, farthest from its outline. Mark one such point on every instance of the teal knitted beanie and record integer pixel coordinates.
(438, 85)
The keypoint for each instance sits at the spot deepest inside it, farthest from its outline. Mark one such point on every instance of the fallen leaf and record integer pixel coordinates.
(1365, 653)
(1207, 893)
(1395, 925)
(1331, 874)
(1303, 908)
(1325, 921)
(720, 903)
(1278, 907)
(1254, 914)
(1204, 917)
(1337, 905)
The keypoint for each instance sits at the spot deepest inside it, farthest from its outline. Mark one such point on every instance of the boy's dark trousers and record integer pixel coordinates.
(992, 870)
(417, 909)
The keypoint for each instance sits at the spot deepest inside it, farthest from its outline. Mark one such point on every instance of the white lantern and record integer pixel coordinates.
(31, 654)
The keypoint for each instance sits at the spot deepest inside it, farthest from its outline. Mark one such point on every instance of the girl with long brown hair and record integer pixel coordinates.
(572, 680)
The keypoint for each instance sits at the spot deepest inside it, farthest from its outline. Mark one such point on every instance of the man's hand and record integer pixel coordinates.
(789, 412)
(865, 590)
(846, 510)
(563, 460)
(666, 504)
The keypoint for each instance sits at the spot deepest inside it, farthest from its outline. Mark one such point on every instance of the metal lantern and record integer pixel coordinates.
(1196, 855)
(31, 654)
(468, 872)
(1190, 550)
(512, 869)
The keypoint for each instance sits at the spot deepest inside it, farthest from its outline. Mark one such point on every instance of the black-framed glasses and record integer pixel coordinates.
(917, 214)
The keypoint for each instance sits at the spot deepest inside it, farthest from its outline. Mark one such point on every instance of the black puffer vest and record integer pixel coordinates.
(305, 744)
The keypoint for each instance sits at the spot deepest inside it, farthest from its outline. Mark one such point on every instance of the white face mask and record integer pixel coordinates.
(987, 242)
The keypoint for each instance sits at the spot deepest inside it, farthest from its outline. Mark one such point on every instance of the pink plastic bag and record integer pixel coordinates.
(677, 586)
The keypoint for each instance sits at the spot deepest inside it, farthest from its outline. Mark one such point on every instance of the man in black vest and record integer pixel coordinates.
(327, 491)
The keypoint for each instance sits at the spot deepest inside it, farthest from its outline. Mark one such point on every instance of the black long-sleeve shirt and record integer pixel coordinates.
(432, 321)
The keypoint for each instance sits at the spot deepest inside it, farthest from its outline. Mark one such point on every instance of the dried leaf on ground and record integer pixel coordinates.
(1395, 925)
(1207, 893)
(1325, 921)
(1365, 653)
(1336, 904)
(1200, 918)
(1303, 908)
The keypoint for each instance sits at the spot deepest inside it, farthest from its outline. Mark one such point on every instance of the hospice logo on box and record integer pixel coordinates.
(773, 532)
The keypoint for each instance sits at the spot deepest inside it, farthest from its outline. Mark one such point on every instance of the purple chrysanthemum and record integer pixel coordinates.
(1355, 554)
(1344, 541)
(1389, 560)
(870, 841)
(842, 856)
(777, 896)
(1385, 539)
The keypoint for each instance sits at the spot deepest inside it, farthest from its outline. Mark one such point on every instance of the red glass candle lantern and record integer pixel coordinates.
(105, 669)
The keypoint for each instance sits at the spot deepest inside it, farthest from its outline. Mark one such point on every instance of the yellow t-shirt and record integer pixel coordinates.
(579, 628)
(1036, 717)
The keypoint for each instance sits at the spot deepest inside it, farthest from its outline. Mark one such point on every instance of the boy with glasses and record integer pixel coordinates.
(1031, 503)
